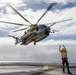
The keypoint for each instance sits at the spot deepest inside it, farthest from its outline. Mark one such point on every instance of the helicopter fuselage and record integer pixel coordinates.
(35, 35)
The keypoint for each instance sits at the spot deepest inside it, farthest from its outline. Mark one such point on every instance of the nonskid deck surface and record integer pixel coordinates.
(33, 70)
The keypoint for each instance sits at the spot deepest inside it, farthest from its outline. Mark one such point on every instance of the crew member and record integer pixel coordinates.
(63, 52)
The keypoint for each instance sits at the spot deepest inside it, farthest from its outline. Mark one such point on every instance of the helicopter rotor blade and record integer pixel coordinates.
(14, 23)
(50, 6)
(19, 14)
(19, 29)
(58, 22)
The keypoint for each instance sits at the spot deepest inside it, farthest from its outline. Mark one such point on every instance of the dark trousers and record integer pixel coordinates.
(65, 61)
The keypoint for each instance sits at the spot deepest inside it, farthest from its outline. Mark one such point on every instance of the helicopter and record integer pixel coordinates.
(36, 32)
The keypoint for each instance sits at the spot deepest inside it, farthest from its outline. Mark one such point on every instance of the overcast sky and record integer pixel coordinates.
(47, 49)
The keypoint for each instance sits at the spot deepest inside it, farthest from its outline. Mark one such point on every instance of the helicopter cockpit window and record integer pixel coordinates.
(42, 26)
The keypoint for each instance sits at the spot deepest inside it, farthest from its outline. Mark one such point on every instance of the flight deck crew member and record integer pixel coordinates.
(63, 52)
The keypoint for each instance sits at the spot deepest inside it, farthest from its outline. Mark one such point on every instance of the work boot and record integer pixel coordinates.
(63, 71)
(69, 73)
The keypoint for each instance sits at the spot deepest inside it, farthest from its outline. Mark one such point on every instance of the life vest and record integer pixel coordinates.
(63, 53)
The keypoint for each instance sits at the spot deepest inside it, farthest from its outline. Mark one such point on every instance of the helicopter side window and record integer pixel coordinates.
(42, 26)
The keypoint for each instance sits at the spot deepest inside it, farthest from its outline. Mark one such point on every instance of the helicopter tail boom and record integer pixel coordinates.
(16, 38)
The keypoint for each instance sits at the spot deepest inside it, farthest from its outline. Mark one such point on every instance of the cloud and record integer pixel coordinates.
(29, 14)
(42, 52)
(46, 50)
(11, 1)
(49, 1)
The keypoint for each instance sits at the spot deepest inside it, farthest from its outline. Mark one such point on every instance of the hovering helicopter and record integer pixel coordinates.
(36, 32)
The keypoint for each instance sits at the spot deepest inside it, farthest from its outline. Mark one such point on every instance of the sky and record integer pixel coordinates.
(47, 49)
